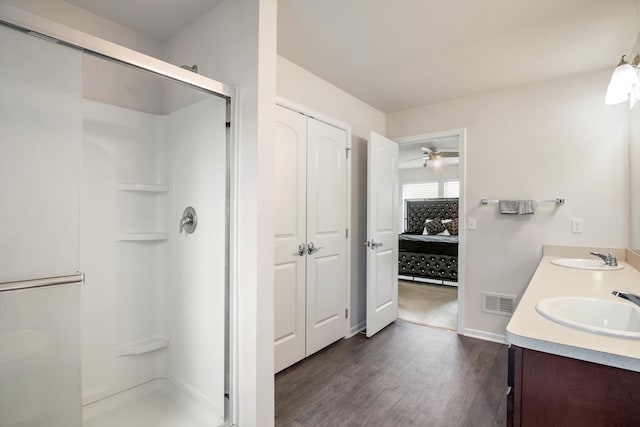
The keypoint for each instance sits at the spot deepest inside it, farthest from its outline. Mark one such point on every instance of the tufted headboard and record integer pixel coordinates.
(417, 211)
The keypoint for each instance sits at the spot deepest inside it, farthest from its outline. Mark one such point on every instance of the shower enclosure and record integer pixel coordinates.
(102, 150)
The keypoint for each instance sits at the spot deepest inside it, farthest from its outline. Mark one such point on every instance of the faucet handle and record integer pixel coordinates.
(609, 259)
(189, 220)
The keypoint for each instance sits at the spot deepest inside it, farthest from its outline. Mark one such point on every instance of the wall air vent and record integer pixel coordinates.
(498, 304)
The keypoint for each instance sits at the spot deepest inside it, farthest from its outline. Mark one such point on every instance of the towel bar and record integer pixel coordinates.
(557, 201)
(42, 282)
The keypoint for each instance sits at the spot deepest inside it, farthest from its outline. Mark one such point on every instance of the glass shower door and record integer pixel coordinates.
(40, 143)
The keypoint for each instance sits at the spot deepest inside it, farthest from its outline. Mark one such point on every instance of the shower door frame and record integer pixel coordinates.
(94, 46)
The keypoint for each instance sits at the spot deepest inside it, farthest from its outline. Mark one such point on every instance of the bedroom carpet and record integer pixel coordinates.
(426, 304)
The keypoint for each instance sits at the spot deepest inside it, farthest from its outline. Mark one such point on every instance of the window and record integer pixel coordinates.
(451, 189)
(422, 190)
(431, 190)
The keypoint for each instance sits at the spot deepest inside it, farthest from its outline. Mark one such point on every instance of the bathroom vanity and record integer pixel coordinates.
(562, 375)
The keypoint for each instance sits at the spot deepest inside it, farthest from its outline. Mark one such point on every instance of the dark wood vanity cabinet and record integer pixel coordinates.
(549, 390)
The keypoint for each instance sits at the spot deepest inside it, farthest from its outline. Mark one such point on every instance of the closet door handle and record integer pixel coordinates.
(312, 249)
(302, 248)
(375, 245)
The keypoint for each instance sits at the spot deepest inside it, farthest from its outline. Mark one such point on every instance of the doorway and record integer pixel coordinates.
(431, 231)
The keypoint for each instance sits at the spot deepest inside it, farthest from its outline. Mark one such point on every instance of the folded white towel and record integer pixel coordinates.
(526, 207)
(508, 206)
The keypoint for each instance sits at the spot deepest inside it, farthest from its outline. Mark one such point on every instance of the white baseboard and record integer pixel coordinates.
(357, 329)
(483, 335)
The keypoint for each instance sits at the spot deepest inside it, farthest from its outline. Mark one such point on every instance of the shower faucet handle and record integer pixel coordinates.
(189, 220)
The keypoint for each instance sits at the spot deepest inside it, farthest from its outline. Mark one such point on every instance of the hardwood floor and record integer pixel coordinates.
(406, 375)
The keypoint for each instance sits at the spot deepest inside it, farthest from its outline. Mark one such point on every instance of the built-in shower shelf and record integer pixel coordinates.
(148, 188)
(142, 346)
(141, 237)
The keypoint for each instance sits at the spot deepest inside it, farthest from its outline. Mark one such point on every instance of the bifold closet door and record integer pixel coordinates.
(309, 236)
(289, 234)
(326, 233)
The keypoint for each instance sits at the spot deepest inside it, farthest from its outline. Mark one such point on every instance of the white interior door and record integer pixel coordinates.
(326, 234)
(289, 234)
(382, 220)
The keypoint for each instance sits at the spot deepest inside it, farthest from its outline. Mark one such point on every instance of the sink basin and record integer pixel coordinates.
(585, 264)
(600, 316)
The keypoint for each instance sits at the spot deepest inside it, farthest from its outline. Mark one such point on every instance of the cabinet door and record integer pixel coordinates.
(289, 233)
(326, 228)
(552, 390)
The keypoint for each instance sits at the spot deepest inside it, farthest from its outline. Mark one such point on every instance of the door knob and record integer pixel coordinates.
(374, 245)
(189, 220)
(312, 249)
(302, 248)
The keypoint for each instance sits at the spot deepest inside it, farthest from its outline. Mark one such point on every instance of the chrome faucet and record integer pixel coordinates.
(628, 296)
(609, 260)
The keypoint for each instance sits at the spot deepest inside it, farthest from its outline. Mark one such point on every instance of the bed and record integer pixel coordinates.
(429, 257)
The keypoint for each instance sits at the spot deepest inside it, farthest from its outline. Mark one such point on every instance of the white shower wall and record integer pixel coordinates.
(124, 294)
(197, 295)
(140, 171)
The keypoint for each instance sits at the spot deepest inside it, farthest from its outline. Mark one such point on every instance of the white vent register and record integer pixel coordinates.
(498, 303)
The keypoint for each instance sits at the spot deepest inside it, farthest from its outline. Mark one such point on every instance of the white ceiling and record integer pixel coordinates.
(406, 53)
(161, 19)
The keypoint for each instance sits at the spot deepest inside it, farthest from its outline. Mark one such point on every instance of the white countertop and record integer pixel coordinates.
(528, 329)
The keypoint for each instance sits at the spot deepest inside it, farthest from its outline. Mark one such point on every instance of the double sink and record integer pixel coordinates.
(604, 316)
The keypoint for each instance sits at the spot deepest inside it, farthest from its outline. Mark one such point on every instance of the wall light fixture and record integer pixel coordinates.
(624, 84)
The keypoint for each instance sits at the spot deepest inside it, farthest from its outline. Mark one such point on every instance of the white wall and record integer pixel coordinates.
(300, 86)
(235, 43)
(550, 139)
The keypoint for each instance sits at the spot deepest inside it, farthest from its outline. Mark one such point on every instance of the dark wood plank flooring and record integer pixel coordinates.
(406, 375)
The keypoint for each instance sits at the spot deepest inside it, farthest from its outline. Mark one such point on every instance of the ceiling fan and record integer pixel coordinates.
(433, 154)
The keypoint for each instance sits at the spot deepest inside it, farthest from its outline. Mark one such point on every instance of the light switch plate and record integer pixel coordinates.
(471, 224)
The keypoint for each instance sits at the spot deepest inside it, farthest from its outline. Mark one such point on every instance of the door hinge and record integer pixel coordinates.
(347, 150)
(346, 233)
(346, 313)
